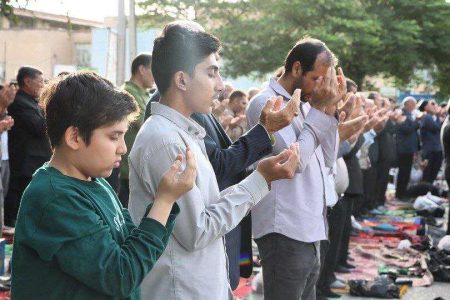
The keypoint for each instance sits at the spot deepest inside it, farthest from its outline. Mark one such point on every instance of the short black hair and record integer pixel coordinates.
(86, 101)
(143, 59)
(180, 48)
(306, 51)
(27, 72)
(372, 95)
(237, 94)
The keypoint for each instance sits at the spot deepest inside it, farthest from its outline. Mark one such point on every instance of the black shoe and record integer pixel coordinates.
(342, 269)
(331, 294)
(348, 266)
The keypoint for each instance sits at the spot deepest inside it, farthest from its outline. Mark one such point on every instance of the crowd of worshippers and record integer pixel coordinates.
(116, 195)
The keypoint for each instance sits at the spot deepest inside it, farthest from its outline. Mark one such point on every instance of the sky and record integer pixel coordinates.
(84, 9)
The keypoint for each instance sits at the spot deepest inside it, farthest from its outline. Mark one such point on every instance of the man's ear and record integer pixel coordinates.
(72, 138)
(26, 81)
(181, 80)
(297, 69)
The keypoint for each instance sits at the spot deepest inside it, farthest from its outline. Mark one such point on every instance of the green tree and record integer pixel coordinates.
(370, 37)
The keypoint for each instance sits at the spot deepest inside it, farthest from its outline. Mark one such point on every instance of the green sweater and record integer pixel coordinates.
(75, 241)
(142, 97)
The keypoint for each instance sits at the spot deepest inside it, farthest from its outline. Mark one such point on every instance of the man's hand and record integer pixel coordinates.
(6, 123)
(174, 183)
(236, 121)
(273, 118)
(218, 107)
(348, 106)
(7, 95)
(329, 91)
(350, 128)
(282, 166)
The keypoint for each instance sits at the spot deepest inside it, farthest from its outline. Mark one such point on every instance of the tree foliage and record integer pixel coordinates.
(370, 37)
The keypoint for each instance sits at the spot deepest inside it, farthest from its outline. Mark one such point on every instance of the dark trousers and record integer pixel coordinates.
(348, 202)
(382, 181)
(448, 222)
(124, 192)
(290, 267)
(404, 173)
(330, 249)
(16, 188)
(434, 164)
(233, 248)
(370, 196)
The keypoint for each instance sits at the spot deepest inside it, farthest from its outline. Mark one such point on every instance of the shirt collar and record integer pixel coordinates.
(134, 86)
(274, 85)
(186, 124)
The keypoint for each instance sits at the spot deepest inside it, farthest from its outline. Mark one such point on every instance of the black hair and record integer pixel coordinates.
(237, 94)
(372, 95)
(350, 84)
(27, 72)
(180, 48)
(143, 59)
(306, 51)
(86, 101)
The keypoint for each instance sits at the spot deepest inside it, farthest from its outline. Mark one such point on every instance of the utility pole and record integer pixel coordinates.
(132, 31)
(121, 31)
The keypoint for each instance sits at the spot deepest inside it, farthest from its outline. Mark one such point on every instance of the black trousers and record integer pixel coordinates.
(329, 250)
(382, 181)
(17, 186)
(369, 185)
(347, 207)
(404, 173)
(434, 164)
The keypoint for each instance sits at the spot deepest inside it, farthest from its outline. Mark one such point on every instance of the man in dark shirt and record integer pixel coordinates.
(28, 146)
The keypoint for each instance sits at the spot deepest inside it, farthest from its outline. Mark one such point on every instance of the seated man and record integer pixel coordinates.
(74, 240)
(186, 73)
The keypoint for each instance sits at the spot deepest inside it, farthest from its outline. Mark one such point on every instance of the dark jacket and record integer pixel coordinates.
(28, 144)
(407, 136)
(229, 162)
(430, 134)
(355, 186)
(386, 144)
(445, 140)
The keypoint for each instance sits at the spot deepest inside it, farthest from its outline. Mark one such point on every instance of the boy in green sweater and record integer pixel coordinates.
(73, 238)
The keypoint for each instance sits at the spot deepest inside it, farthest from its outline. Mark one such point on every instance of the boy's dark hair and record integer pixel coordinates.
(26, 72)
(143, 59)
(86, 101)
(372, 96)
(237, 94)
(306, 51)
(180, 48)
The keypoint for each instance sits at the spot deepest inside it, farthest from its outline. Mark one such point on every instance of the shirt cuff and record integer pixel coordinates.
(271, 136)
(256, 185)
(170, 220)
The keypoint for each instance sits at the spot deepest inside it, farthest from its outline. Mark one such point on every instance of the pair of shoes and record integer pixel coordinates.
(338, 284)
(342, 269)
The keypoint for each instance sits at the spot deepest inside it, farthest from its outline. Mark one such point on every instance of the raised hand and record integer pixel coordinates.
(7, 95)
(350, 128)
(281, 166)
(175, 183)
(273, 118)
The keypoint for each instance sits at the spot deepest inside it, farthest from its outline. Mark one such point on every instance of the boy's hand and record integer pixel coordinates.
(174, 183)
(282, 166)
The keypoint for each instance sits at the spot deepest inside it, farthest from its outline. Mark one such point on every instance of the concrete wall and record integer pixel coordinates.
(42, 48)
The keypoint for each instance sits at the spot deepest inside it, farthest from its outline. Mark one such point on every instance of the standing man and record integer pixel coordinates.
(290, 222)
(407, 145)
(194, 264)
(141, 80)
(430, 129)
(29, 146)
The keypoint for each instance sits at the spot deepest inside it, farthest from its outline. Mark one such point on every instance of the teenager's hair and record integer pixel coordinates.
(86, 101)
(26, 72)
(143, 59)
(180, 48)
(306, 51)
(237, 94)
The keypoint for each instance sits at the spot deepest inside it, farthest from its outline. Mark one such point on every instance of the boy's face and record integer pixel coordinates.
(104, 152)
(204, 86)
